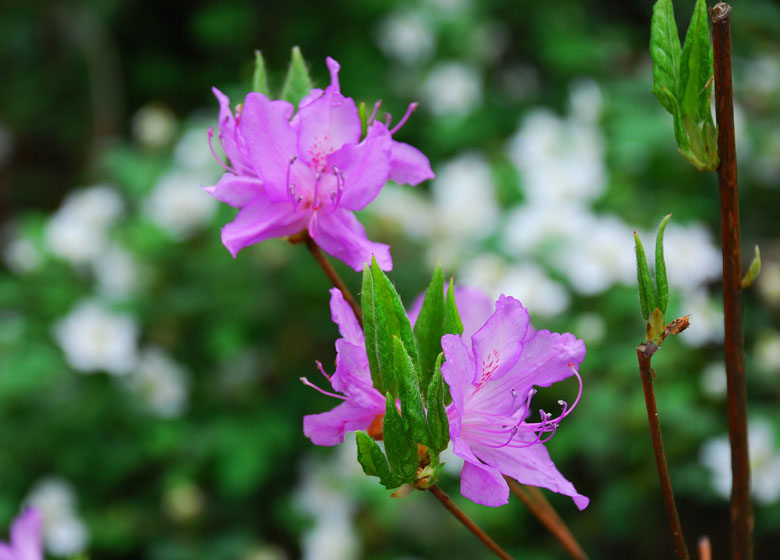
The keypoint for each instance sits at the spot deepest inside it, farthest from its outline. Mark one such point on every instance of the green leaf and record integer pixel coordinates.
(363, 119)
(661, 283)
(438, 424)
(696, 68)
(412, 407)
(452, 322)
(647, 299)
(374, 462)
(753, 271)
(259, 78)
(399, 443)
(384, 316)
(665, 52)
(429, 327)
(298, 83)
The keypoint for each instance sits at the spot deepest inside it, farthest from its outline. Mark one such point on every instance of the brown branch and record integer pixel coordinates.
(741, 507)
(535, 501)
(644, 353)
(333, 276)
(470, 525)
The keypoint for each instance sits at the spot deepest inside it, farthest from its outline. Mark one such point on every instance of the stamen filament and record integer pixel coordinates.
(409, 111)
(323, 391)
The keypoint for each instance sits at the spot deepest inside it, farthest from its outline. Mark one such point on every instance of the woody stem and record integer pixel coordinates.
(470, 525)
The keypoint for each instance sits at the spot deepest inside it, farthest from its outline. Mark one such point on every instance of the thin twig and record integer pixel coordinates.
(333, 276)
(535, 501)
(741, 507)
(644, 353)
(705, 549)
(470, 525)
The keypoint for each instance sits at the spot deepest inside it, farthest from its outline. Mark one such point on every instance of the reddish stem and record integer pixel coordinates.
(741, 507)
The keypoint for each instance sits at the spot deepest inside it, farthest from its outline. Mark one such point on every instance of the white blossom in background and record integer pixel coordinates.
(715, 454)
(590, 327)
(692, 258)
(116, 272)
(601, 256)
(324, 494)
(713, 380)
(559, 160)
(767, 351)
(585, 101)
(406, 36)
(97, 339)
(452, 89)
(531, 228)
(192, 153)
(408, 208)
(178, 205)
(768, 282)
(22, 256)
(64, 533)
(78, 230)
(183, 501)
(706, 319)
(762, 75)
(525, 281)
(162, 383)
(154, 125)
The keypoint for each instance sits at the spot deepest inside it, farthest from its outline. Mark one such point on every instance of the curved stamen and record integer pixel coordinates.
(377, 105)
(214, 153)
(322, 371)
(507, 442)
(409, 111)
(323, 391)
(388, 118)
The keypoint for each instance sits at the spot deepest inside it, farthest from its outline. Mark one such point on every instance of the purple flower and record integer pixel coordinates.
(309, 171)
(364, 407)
(491, 382)
(25, 542)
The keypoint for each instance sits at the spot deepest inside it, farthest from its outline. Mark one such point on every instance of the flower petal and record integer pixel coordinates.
(364, 167)
(457, 371)
(235, 190)
(474, 307)
(340, 234)
(6, 552)
(408, 164)
(498, 344)
(483, 484)
(328, 428)
(530, 465)
(548, 358)
(261, 220)
(344, 317)
(26, 535)
(353, 376)
(271, 142)
(228, 132)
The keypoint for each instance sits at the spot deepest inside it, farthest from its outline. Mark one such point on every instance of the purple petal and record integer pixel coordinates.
(340, 234)
(271, 142)
(474, 307)
(548, 358)
(353, 376)
(313, 95)
(344, 317)
(408, 164)
(530, 465)
(364, 167)
(329, 427)
(235, 190)
(498, 344)
(227, 130)
(325, 125)
(483, 484)
(6, 552)
(457, 370)
(261, 220)
(26, 535)
(333, 68)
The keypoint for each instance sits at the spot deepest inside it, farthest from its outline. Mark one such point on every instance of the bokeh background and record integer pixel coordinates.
(149, 395)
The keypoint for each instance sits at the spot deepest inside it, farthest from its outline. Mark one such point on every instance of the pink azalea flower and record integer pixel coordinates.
(363, 404)
(25, 542)
(491, 382)
(309, 171)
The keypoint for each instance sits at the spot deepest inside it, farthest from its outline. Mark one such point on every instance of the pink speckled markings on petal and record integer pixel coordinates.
(492, 384)
(309, 171)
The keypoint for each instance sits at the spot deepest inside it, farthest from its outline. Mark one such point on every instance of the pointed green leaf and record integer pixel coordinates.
(374, 462)
(363, 119)
(259, 78)
(661, 283)
(438, 424)
(696, 68)
(647, 299)
(665, 52)
(753, 271)
(429, 327)
(412, 407)
(384, 316)
(399, 443)
(452, 322)
(298, 83)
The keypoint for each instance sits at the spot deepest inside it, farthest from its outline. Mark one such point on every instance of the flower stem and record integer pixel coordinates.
(534, 500)
(644, 353)
(333, 276)
(741, 507)
(470, 525)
